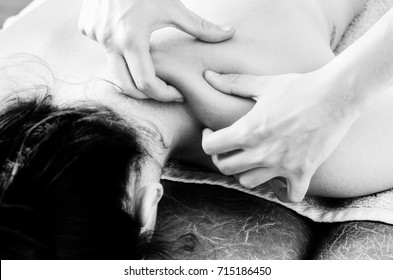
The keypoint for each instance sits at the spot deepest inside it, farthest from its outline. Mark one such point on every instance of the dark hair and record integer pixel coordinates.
(63, 182)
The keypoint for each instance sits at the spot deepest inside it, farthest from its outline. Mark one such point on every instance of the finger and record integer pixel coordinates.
(121, 77)
(143, 73)
(248, 86)
(278, 185)
(221, 141)
(237, 162)
(200, 28)
(296, 190)
(256, 177)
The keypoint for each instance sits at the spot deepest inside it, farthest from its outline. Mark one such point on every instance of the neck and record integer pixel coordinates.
(172, 132)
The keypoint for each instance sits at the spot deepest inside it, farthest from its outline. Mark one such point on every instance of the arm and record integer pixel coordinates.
(365, 69)
(124, 28)
(299, 120)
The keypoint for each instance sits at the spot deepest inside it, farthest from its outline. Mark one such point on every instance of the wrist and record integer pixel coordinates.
(364, 70)
(344, 91)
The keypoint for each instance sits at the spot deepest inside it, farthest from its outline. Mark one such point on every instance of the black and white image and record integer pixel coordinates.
(196, 129)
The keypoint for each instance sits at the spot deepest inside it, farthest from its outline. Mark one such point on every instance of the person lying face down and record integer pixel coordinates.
(65, 180)
(91, 123)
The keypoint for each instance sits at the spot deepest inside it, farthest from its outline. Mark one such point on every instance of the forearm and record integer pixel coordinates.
(365, 70)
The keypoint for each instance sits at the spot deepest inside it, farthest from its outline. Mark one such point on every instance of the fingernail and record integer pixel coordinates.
(226, 28)
(211, 74)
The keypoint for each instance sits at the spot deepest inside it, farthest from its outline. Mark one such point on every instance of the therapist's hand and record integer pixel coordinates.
(297, 122)
(124, 27)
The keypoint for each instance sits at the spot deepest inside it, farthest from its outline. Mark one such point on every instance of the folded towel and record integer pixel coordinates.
(377, 207)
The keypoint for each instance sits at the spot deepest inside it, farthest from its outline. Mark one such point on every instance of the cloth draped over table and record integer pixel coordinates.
(377, 207)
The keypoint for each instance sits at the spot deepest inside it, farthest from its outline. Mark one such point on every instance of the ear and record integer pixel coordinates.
(148, 199)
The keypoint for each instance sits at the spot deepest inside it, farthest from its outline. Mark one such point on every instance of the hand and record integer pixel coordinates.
(124, 27)
(297, 122)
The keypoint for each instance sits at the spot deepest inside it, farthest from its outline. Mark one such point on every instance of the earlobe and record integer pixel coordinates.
(148, 199)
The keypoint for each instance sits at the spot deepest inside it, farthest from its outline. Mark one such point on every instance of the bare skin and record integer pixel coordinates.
(282, 36)
(124, 28)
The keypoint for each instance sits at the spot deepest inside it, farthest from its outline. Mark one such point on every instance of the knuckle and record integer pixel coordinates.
(126, 88)
(205, 25)
(244, 136)
(310, 164)
(144, 85)
(296, 196)
(250, 137)
(234, 79)
(263, 159)
(126, 40)
(104, 38)
(225, 171)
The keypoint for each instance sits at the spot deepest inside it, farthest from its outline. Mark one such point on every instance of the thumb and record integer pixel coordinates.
(247, 86)
(200, 28)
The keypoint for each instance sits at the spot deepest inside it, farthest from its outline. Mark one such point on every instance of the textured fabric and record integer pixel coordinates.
(378, 207)
(226, 224)
(357, 241)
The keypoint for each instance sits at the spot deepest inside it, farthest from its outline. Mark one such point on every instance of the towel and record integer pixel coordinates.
(377, 207)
